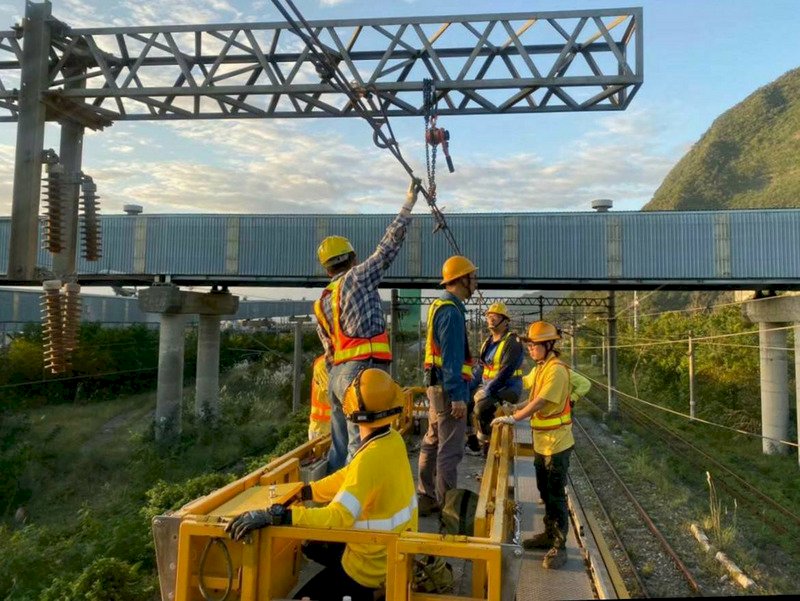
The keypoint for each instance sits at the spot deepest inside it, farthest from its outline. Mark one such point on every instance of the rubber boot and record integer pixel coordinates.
(557, 556)
(542, 540)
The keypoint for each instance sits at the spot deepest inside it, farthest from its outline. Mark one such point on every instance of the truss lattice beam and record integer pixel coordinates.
(481, 64)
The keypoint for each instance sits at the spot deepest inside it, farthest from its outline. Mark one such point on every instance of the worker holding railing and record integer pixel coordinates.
(550, 412)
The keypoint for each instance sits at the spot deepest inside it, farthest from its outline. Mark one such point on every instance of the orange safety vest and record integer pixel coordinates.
(346, 348)
(490, 370)
(554, 420)
(320, 405)
(433, 354)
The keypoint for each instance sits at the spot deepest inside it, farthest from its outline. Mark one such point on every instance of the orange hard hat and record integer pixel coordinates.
(542, 331)
(456, 267)
(499, 309)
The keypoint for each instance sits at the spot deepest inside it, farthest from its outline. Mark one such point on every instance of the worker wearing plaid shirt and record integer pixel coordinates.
(350, 312)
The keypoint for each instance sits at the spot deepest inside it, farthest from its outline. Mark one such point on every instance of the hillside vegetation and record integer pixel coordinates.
(749, 158)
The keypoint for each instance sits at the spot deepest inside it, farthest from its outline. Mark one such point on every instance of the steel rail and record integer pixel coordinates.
(741, 490)
(614, 532)
(688, 576)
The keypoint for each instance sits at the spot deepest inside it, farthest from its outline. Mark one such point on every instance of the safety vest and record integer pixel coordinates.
(346, 348)
(490, 370)
(320, 405)
(554, 420)
(433, 354)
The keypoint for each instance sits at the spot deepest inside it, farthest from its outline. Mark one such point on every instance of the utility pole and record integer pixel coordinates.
(297, 368)
(635, 313)
(692, 405)
(613, 407)
(573, 346)
(395, 345)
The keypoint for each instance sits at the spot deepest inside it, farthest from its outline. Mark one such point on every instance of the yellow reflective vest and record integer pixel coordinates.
(365, 495)
(490, 370)
(319, 419)
(433, 354)
(563, 416)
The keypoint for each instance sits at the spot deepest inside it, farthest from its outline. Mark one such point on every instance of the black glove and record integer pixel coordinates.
(246, 522)
(306, 493)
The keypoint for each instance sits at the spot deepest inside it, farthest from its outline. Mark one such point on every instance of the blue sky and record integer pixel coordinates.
(701, 58)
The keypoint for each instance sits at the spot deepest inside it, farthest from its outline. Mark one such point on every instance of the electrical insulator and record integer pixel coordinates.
(54, 355)
(71, 320)
(90, 218)
(54, 203)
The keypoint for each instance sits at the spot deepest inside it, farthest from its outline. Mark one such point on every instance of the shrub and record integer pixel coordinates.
(105, 579)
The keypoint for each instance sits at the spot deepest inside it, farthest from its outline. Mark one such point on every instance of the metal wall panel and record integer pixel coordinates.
(672, 245)
(557, 246)
(765, 244)
(723, 247)
(190, 244)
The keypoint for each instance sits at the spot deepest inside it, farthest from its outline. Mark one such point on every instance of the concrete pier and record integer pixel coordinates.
(174, 304)
(772, 315)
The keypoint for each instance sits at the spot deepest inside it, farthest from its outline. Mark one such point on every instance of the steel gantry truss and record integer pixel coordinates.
(481, 64)
(588, 60)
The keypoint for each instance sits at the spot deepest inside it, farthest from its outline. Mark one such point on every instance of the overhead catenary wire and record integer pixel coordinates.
(330, 72)
(684, 415)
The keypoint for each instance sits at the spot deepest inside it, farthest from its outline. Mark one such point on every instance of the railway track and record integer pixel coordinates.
(654, 568)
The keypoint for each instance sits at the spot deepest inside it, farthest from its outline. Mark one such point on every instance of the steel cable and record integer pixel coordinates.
(330, 72)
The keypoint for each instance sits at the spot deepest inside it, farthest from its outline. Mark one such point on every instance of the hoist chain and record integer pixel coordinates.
(327, 64)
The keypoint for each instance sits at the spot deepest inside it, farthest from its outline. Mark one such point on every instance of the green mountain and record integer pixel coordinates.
(748, 158)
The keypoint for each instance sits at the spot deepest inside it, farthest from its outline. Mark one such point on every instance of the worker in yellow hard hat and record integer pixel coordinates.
(319, 418)
(362, 495)
(550, 413)
(501, 359)
(448, 371)
(350, 319)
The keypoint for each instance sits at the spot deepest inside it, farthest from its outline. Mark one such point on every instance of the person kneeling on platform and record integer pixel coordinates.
(375, 491)
(550, 413)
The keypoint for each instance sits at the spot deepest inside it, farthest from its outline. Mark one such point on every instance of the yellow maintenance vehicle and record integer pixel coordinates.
(198, 561)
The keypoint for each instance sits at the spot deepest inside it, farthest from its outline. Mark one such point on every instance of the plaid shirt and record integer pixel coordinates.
(360, 307)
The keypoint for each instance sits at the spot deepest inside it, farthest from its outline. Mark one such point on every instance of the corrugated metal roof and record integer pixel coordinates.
(528, 250)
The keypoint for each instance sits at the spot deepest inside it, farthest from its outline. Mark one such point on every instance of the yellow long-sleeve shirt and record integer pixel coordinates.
(375, 491)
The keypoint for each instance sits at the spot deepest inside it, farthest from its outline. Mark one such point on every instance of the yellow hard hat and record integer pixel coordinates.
(499, 309)
(332, 247)
(373, 398)
(542, 331)
(456, 267)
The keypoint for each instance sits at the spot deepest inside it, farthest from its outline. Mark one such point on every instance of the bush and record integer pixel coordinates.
(105, 579)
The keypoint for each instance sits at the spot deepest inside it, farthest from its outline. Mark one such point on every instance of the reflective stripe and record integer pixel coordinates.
(346, 348)
(554, 420)
(392, 523)
(349, 502)
(490, 370)
(433, 355)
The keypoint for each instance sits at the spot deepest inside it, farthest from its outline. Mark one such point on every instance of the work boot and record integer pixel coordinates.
(473, 447)
(427, 506)
(555, 558)
(543, 540)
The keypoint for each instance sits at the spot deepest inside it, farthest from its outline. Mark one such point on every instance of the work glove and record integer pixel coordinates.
(480, 394)
(411, 195)
(244, 523)
(506, 419)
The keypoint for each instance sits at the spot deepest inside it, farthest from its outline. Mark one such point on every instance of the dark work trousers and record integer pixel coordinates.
(332, 583)
(442, 448)
(486, 408)
(551, 480)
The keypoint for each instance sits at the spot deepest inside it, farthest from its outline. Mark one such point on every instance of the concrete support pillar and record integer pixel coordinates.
(170, 377)
(774, 388)
(206, 403)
